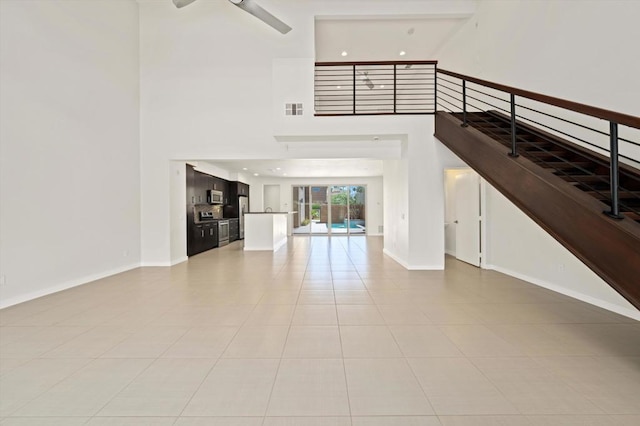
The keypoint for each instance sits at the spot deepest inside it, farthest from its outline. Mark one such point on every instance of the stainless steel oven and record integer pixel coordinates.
(223, 233)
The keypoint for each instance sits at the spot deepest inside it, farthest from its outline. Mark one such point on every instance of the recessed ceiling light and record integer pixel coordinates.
(382, 86)
(256, 174)
(284, 174)
(244, 168)
(344, 53)
(402, 53)
(338, 87)
(278, 168)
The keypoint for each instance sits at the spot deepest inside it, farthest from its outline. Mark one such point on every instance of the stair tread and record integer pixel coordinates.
(631, 215)
(587, 178)
(565, 164)
(621, 193)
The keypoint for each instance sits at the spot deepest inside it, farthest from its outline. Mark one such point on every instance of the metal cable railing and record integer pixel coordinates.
(492, 108)
(375, 88)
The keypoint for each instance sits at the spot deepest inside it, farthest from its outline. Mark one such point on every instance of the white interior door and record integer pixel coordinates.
(467, 223)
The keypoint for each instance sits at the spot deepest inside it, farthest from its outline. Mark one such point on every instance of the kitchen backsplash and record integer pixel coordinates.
(216, 210)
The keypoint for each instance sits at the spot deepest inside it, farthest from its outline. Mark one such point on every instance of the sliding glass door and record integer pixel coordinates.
(329, 210)
(319, 210)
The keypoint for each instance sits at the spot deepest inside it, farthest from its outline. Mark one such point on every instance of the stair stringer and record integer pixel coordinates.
(609, 247)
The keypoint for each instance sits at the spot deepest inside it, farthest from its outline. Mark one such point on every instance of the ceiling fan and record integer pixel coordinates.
(253, 8)
(364, 76)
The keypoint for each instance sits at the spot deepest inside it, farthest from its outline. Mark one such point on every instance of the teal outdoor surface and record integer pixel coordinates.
(343, 225)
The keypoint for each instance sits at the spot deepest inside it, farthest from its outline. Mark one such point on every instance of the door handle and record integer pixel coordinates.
(202, 233)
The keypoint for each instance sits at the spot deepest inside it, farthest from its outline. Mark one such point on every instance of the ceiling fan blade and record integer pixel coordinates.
(369, 83)
(260, 13)
(366, 80)
(182, 3)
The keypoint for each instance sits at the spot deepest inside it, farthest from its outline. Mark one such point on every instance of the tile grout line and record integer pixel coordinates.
(214, 365)
(344, 365)
(284, 346)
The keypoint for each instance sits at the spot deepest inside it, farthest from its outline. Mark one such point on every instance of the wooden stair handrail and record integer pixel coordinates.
(613, 116)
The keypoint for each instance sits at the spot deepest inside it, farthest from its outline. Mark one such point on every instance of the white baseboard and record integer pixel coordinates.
(631, 313)
(157, 264)
(450, 253)
(179, 260)
(412, 267)
(425, 267)
(64, 286)
(396, 258)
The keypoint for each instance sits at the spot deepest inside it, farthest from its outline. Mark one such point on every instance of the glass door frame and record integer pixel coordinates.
(308, 190)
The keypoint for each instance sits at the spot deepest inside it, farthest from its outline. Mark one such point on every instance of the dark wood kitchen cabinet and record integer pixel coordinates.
(204, 236)
(234, 229)
(197, 240)
(217, 184)
(191, 185)
(203, 182)
(243, 189)
(210, 235)
(236, 190)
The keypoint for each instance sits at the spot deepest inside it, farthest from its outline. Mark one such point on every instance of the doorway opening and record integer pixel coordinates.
(271, 197)
(329, 209)
(463, 223)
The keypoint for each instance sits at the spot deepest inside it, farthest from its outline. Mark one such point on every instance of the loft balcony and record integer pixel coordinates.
(375, 88)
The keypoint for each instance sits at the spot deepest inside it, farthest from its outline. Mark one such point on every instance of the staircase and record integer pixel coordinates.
(561, 186)
(582, 168)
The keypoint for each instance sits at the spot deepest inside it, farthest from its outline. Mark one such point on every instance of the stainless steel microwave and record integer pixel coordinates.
(215, 197)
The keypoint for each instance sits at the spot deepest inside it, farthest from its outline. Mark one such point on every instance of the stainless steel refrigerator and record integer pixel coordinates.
(243, 203)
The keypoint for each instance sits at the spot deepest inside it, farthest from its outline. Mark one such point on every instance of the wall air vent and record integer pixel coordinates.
(293, 109)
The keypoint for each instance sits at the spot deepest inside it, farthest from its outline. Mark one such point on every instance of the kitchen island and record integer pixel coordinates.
(265, 230)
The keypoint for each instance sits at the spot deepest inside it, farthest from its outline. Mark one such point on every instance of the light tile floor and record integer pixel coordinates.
(326, 331)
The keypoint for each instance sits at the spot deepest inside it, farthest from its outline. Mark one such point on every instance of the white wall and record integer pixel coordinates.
(396, 208)
(582, 51)
(516, 245)
(70, 175)
(178, 196)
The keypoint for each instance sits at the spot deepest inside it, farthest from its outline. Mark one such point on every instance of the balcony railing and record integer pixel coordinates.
(375, 88)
